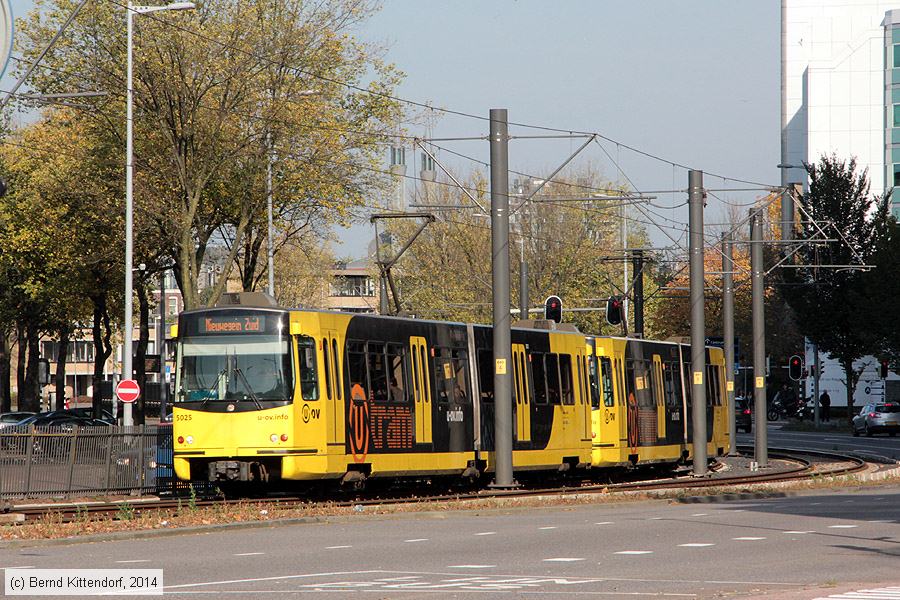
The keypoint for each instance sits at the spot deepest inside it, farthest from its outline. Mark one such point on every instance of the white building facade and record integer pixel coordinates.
(840, 93)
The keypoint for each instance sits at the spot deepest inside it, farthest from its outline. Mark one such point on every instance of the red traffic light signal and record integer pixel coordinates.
(553, 309)
(795, 368)
(884, 369)
(614, 310)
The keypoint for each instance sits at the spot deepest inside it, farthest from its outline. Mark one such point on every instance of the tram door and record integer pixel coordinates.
(334, 385)
(421, 385)
(583, 397)
(658, 397)
(522, 405)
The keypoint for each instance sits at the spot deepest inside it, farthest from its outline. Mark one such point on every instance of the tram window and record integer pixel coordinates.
(396, 374)
(337, 369)
(523, 370)
(594, 379)
(377, 372)
(655, 385)
(540, 382)
(309, 387)
(579, 360)
(486, 374)
(517, 378)
(552, 369)
(415, 373)
(327, 372)
(460, 377)
(620, 374)
(356, 367)
(630, 383)
(669, 373)
(609, 399)
(586, 381)
(565, 379)
(688, 386)
(712, 385)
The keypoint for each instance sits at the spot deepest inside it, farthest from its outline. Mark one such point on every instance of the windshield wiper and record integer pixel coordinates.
(212, 388)
(243, 379)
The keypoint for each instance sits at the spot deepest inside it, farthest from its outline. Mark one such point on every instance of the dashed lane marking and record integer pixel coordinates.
(695, 545)
(748, 539)
(472, 566)
(700, 515)
(843, 526)
(337, 547)
(633, 552)
(416, 540)
(546, 528)
(250, 554)
(139, 560)
(604, 523)
(487, 533)
(797, 532)
(563, 559)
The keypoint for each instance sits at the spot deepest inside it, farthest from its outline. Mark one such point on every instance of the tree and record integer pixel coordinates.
(829, 302)
(215, 90)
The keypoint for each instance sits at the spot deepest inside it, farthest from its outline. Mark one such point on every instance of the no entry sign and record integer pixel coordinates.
(128, 390)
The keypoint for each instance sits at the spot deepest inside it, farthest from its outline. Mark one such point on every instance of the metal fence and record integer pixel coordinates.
(85, 461)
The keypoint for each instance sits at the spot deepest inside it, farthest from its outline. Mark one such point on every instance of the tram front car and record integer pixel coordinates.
(234, 394)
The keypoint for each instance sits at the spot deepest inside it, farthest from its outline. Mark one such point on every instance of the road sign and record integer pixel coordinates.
(128, 391)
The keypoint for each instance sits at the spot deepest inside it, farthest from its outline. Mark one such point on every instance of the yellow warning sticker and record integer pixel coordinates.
(639, 383)
(448, 372)
(698, 377)
(729, 386)
(760, 382)
(500, 366)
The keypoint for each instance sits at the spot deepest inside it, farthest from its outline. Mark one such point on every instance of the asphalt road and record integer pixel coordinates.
(816, 545)
(882, 445)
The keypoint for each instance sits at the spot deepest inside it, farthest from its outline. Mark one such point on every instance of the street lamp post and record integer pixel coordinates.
(127, 419)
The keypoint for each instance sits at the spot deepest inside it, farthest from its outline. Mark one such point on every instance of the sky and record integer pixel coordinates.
(696, 82)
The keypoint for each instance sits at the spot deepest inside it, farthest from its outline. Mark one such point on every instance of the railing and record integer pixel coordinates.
(85, 461)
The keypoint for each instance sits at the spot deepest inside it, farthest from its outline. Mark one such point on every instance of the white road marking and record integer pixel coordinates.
(563, 559)
(472, 566)
(843, 526)
(655, 519)
(250, 554)
(545, 528)
(748, 539)
(274, 578)
(631, 552)
(25, 567)
(416, 540)
(880, 521)
(604, 523)
(125, 562)
(700, 515)
(695, 545)
(487, 533)
(336, 547)
(815, 503)
(888, 593)
(798, 532)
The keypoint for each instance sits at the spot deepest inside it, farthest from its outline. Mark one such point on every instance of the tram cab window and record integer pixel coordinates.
(378, 375)
(565, 379)
(309, 384)
(609, 399)
(594, 379)
(486, 374)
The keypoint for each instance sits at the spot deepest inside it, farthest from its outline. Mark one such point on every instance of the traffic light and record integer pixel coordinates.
(884, 369)
(614, 310)
(795, 368)
(553, 309)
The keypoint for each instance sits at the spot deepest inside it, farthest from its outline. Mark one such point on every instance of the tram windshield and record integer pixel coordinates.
(234, 355)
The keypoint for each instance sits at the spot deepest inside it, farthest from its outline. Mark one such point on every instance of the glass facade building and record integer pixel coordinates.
(891, 26)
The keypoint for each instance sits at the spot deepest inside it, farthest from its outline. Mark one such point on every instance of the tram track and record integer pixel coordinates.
(794, 465)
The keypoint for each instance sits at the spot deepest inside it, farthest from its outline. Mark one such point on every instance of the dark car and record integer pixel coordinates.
(743, 416)
(13, 418)
(88, 413)
(875, 417)
(61, 418)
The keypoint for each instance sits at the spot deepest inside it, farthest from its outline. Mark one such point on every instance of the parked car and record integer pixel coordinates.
(13, 418)
(743, 415)
(61, 418)
(877, 418)
(88, 413)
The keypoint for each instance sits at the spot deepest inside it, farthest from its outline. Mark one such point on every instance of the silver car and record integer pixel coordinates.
(877, 418)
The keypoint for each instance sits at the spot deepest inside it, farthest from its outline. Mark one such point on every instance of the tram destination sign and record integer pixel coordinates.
(232, 324)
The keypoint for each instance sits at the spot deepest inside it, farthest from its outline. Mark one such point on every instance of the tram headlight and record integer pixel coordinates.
(274, 437)
(189, 439)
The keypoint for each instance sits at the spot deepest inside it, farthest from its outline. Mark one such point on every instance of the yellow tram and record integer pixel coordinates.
(265, 393)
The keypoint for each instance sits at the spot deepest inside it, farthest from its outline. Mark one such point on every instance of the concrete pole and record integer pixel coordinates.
(728, 333)
(523, 286)
(759, 339)
(271, 243)
(127, 371)
(499, 140)
(698, 324)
